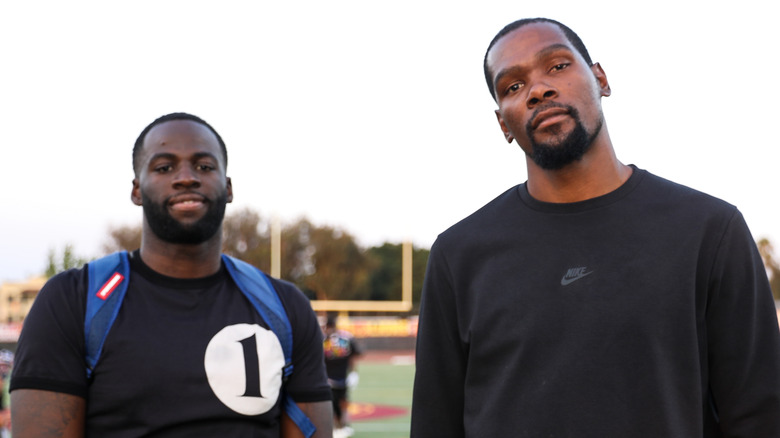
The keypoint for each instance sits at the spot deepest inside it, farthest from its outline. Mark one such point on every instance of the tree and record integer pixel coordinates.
(767, 252)
(127, 238)
(324, 261)
(68, 260)
(385, 278)
(246, 236)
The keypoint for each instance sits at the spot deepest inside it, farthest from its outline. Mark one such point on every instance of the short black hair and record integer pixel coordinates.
(573, 38)
(139, 143)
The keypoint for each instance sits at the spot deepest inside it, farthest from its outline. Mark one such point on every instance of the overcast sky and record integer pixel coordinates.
(366, 115)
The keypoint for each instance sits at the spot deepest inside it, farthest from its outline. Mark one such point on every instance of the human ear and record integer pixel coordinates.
(601, 78)
(135, 194)
(507, 135)
(229, 190)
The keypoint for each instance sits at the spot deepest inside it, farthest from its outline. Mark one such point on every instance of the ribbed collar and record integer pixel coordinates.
(589, 204)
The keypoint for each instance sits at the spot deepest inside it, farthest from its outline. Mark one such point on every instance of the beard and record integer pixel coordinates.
(563, 151)
(170, 230)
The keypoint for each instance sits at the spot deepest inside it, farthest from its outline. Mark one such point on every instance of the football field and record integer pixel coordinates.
(382, 400)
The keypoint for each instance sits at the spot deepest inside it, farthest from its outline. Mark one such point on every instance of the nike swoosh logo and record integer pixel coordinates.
(566, 281)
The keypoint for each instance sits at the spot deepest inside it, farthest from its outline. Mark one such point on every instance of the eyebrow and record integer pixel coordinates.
(169, 156)
(539, 55)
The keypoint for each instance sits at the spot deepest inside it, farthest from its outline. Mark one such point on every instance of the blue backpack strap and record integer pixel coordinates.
(261, 293)
(107, 285)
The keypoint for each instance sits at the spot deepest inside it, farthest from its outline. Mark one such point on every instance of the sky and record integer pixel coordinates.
(370, 116)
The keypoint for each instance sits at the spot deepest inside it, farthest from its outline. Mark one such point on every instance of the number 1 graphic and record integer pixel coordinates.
(252, 366)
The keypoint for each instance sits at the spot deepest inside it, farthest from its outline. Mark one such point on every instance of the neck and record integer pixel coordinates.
(179, 260)
(598, 172)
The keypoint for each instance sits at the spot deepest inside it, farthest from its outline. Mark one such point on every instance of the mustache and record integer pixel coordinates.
(570, 109)
(205, 198)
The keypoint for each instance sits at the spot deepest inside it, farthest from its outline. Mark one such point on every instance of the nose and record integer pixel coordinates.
(540, 92)
(186, 177)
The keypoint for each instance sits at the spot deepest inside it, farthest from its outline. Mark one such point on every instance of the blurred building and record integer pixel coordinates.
(15, 301)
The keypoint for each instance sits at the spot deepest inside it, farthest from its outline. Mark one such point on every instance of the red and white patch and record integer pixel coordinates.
(110, 285)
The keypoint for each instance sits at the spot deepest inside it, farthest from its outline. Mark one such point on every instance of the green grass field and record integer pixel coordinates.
(382, 383)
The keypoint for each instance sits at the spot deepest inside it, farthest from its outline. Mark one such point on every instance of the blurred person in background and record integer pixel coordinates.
(341, 352)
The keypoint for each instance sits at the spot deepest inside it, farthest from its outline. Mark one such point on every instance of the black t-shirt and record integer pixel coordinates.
(185, 357)
(639, 313)
(340, 348)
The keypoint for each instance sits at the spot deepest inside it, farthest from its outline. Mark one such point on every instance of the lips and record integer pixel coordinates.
(550, 115)
(188, 201)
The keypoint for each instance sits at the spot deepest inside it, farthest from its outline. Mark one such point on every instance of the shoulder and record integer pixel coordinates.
(659, 196)
(657, 189)
(68, 286)
(50, 350)
(296, 304)
(288, 292)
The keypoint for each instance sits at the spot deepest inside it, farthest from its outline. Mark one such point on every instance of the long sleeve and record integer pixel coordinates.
(437, 407)
(743, 339)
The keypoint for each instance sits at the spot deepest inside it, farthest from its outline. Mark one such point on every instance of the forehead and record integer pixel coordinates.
(181, 137)
(524, 43)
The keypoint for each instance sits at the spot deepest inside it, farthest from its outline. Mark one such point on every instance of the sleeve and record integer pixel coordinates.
(50, 351)
(438, 398)
(743, 338)
(308, 382)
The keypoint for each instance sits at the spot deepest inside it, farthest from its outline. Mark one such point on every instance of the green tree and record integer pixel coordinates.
(385, 277)
(324, 261)
(767, 252)
(67, 260)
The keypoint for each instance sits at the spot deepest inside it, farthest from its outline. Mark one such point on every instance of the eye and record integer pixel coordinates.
(559, 67)
(514, 88)
(205, 167)
(163, 168)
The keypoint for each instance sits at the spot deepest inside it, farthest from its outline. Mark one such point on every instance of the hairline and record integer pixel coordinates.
(140, 142)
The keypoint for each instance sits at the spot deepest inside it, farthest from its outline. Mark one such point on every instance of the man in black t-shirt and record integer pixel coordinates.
(188, 354)
(596, 299)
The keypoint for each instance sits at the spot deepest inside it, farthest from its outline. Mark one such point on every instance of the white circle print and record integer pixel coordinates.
(244, 368)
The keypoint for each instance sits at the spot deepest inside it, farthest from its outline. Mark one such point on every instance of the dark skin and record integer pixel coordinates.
(181, 165)
(38, 413)
(536, 64)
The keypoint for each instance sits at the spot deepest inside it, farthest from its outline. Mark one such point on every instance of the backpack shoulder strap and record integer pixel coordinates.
(107, 285)
(256, 286)
(258, 289)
